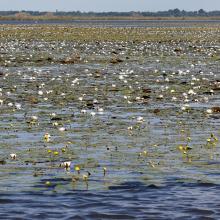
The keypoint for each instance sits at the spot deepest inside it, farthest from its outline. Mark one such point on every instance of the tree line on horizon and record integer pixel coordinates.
(170, 13)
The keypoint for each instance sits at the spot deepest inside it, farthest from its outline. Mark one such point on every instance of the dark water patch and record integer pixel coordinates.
(5, 201)
(197, 211)
(96, 215)
(133, 186)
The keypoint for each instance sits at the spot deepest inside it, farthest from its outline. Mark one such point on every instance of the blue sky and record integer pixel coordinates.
(108, 5)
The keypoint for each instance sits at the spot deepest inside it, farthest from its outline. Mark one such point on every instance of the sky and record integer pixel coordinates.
(108, 5)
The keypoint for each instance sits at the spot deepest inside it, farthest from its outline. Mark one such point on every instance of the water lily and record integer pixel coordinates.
(83, 111)
(40, 93)
(77, 168)
(34, 118)
(13, 156)
(62, 129)
(47, 137)
(92, 114)
(140, 119)
(209, 111)
(65, 164)
(104, 170)
(18, 106)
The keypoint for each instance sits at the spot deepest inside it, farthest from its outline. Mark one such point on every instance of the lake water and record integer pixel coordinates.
(115, 23)
(139, 119)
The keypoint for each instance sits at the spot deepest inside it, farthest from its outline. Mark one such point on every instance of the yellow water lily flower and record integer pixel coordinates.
(85, 177)
(55, 153)
(77, 168)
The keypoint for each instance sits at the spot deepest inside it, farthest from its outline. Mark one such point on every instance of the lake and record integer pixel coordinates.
(109, 120)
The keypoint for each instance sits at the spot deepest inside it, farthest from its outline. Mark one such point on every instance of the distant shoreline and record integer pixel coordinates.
(66, 18)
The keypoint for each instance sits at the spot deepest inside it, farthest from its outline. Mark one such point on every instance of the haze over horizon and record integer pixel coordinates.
(106, 6)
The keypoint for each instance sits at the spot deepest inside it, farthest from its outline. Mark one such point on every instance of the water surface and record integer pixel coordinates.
(145, 112)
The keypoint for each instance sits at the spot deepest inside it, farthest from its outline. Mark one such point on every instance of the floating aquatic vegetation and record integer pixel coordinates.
(108, 105)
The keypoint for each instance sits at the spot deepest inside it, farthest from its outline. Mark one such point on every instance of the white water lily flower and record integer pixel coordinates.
(95, 101)
(83, 111)
(65, 164)
(34, 118)
(209, 111)
(92, 114)
(53, 114)
(40, 92)
(130, 128)
(62, 129)
(80, 98)
(140, 119)
(185, 95)
(183, 108)
(191, 92)
(13, 156)
(100, 109)
(206, 99)
(75, 80)
(49, 91)
(121, 77)
(18, 106)
(55, 124)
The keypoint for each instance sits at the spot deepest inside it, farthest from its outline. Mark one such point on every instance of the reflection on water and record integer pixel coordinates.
(116, 23)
